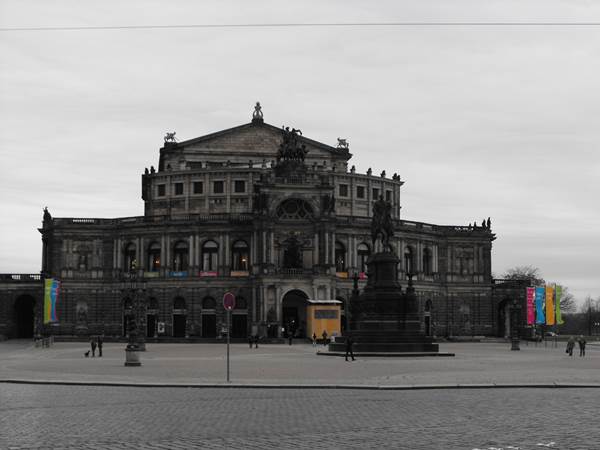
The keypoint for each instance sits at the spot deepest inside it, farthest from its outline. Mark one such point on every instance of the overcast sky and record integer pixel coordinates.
(499, 121)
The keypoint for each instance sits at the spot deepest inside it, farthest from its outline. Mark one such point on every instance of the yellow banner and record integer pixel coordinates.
(549, 305)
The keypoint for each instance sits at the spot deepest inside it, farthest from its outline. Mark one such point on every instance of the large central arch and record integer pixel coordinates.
(24, 316)
(293, 318)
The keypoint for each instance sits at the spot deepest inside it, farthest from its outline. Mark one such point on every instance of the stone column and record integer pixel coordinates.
(142, 254)
(168, 252)
(326, 247)
(264, 247)
(333, 248)
(192, 252)
(316, 249)
(272, 246)
(278, 308)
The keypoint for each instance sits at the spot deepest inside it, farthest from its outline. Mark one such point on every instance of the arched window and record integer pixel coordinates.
(152, 303)
(180, 256)
(240, 256)
(154, 257)
(240, 303)
(428, 305)
(427, 261)
(363, 255)
(294, 209)
(179, 303)
(340, 257)
(209, 303)
(130, 262)
(210, 250)
(409, 261)
(292, 253)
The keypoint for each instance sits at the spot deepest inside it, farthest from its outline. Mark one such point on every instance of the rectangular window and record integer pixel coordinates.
(326, 314)
(161, 190)
(375, 194)
(343, 190)
(198, 187)
(360, 192)
(239, 186)
(388, 196)
(178, 188)
(218, 187)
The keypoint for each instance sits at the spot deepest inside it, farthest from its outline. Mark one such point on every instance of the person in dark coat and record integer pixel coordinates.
(256, 338)
(349, 344)
(581, 342)
(570, 345)
(290, 336)
(250, 340)
(100, 342)
(324, 336)
(93, 343)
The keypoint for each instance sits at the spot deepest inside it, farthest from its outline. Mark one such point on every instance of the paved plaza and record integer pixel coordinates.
(277, 364)
(92, 417)
(306, 401)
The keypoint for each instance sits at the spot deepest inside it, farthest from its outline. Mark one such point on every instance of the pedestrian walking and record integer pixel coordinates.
(93, 343)
(324, 336)
(100, 342)
(581, 342)
(570, 346)
(250, 340)
(256, 338)
(314, 339)
(290, 336)
(349, 345)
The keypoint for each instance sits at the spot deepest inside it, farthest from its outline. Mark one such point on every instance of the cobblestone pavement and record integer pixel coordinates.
(298, 364)
(92, 417)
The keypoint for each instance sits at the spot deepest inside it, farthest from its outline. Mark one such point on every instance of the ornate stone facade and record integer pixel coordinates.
(266, 213)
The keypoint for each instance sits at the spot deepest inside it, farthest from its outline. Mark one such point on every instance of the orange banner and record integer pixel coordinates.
(549, 305)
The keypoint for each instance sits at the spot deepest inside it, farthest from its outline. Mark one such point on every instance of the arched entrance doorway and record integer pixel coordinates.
(294, 313)
(179, 317)
(24, 316)
(504, 318)
(239, 318)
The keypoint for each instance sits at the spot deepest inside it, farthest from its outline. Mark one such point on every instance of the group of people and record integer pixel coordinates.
(324, 338)
(95, 342)
(571, 345)
(253, 340)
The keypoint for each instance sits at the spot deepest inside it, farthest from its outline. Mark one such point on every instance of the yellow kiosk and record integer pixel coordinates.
(323, 315)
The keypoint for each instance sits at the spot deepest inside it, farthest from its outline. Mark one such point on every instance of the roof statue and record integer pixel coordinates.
(257, 115)
(47, 216)
(382, 227)
(290, 149)
(170, 137)
(343, 144)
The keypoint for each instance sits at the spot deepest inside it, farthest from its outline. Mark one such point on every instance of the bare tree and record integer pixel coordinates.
(533, 274)
(523, 273)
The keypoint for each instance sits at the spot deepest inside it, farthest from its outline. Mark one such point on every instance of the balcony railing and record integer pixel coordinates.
(23, 277)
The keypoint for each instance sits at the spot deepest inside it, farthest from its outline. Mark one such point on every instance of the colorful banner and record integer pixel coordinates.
(549, 305)
(539, 305)
(557, 296)
(51, 288)
(530, 305)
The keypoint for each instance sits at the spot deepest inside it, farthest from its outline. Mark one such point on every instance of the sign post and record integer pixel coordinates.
(228, 304)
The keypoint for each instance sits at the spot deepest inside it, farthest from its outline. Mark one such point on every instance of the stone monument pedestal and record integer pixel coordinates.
(385, 320)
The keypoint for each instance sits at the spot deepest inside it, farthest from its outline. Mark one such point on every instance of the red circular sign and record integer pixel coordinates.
(229, 301)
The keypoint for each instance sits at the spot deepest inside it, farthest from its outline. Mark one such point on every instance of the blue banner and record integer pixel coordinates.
(540, 301)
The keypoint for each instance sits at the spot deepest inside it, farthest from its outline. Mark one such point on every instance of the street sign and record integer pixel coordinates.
(228, 301)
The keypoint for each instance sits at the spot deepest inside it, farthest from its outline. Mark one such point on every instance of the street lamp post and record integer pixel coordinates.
(136, 341)
(515, 314)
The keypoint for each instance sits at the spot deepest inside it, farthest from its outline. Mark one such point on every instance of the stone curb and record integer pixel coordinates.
(406, 387)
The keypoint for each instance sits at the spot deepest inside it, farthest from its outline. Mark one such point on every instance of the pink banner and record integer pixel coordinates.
(530, 305)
